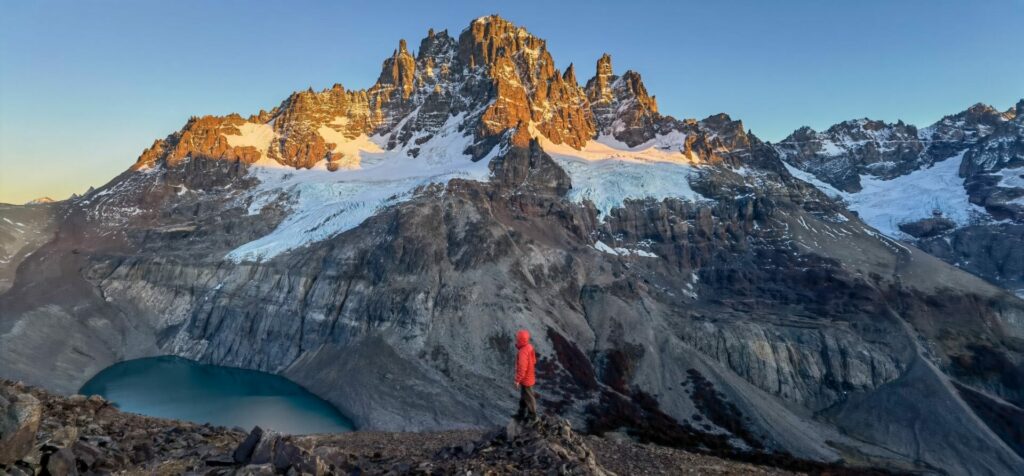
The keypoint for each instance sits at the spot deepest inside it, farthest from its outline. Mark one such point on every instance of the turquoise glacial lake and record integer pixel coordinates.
(172, 387)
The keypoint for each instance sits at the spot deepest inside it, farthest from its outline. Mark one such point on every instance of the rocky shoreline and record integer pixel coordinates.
(42, 433)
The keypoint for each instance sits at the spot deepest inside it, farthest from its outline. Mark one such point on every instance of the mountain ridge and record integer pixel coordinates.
(684, 282)
(525, 88)
(968, 213)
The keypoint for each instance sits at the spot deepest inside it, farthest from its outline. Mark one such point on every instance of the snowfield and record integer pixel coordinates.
(608, 172)
(253, 135)
(324, 203)
(1011, 178)
(605, 172)
(885, 204)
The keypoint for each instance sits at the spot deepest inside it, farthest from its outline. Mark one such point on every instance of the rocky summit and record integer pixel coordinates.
(686, 283)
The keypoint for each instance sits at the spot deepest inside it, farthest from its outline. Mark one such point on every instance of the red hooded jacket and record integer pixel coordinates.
(526, 360)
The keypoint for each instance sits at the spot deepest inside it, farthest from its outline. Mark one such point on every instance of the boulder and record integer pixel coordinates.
(61, 463)
(20, 413)
(287, 455)
(64, 436)
(264, 451)
(927, 227)
(86, 454)
(256, 470)
(244, 451)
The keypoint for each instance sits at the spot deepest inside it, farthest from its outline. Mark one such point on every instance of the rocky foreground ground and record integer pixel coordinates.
(41, 433)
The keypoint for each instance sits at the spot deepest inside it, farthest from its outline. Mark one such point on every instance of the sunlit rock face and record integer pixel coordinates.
(622, 107)
(684, 280)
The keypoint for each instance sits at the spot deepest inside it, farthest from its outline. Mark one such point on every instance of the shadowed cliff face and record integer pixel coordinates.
(23, 229)
(751, 314)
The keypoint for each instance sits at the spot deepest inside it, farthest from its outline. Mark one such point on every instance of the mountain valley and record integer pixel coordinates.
(844, 297)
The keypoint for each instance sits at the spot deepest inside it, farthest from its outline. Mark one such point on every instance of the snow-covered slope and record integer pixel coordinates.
(607, 172)
(852, 149)
(893, 174)
(935, 191)
(955, 190)
(323, 203)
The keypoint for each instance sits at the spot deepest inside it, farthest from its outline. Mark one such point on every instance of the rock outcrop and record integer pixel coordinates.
(19, 420)
(86, 435)
(844, 152)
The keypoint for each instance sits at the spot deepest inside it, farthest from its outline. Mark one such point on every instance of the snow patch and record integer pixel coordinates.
(608, 172)
(1011, 178)
(690, 290)
(253, 135)
(600, 246)
(811, 179)
(350, 153)
(885, 204)
(830, 149)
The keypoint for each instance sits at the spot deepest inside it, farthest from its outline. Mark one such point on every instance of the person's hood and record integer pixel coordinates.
(522, 338)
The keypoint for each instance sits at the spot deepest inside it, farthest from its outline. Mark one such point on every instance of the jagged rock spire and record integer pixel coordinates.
(570, 74)
(599, 89)
(621, 105)
(527, 87)
(399, 72)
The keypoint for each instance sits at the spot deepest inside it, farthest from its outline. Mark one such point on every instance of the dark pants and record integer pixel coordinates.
(527, 403)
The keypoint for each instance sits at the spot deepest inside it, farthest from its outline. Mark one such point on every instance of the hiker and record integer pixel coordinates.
(526, 360)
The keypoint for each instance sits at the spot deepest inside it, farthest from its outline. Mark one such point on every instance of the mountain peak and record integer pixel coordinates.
(570, 74)
(496, 74)
(487, 39)
(622, 107)
(1016, 112)
(604, 65)
(980, 108)
(599, 90)
(493, 19)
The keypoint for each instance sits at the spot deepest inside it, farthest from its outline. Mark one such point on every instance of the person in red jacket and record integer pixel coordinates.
(526, 360)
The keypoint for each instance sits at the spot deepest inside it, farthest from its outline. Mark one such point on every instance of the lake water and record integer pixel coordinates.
(172, 387)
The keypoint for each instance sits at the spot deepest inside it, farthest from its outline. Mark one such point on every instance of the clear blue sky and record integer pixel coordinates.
(86, 85)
